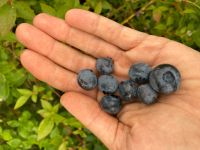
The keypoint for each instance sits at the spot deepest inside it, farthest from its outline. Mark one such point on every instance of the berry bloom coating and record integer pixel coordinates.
(165, 79)
(104, 65)
(128, 90)
(110, 104)
(87, 79)
(139, 73)
(146, 94)
(107, 84)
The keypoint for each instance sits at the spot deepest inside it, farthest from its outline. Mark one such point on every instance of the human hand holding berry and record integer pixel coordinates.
(172, 123)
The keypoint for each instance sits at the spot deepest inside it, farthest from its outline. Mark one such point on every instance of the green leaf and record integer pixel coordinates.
(99, 146)
(40, 88)
(63, 146)
(55, 132)
(7, 19)
(84, 7)
(26, 115)
(80, 132)
(189, 11)
(44, 113)
(58, 118)
(25, 92)
(24, 10)
(21, 101)
(34, 98)
(73, 122)
(157, 12)
(4, 88)
(56, 108)
(6, 135)
(157, 15)
(170, 20)
(1, 130)
(3, 55)
(23, 132)
(2, 2)
(106, 5)
(37, 89)
(76, 3)
(196, 37)
(163, 8)
(10, 36)
(17, 77)
(14, 143)
(6, 67)
(98, 8)
(183, 30)
(45, 127)
(47, 9)
(48, 96)
(64, 7)
(13, 123)
(46, 105)
(160, 27)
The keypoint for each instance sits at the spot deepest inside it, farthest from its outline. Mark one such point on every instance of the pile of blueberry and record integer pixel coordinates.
(145, 83)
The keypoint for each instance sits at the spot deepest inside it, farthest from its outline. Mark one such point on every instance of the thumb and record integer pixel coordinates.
(87, 111)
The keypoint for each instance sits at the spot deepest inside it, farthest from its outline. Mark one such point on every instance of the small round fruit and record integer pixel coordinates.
(139, 73)
(104, 65)
(87, 79)
(108, 84)
(128, 90)
(111, 104)
(146, 94)
(165, 79)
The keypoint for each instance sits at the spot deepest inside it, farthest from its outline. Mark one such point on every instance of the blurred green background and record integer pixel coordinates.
(30, 114)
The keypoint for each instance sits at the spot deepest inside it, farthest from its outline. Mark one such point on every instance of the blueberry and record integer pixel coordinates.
(111, 104)
(104, 65)
(146, 94)
(128, 90)
(87, 79)
(139, 73)
(165, 79)
(107, 84)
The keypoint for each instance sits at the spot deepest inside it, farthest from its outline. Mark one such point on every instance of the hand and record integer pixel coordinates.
(172, 123)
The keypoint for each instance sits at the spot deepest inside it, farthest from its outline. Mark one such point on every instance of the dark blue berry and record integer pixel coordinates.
(104, 65)
(139, 73)
(165, 79)
(107, 84)
(128, 90)
(111, 104)
(146, 94)
(87, 79)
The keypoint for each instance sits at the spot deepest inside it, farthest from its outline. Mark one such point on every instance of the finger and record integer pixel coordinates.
(47, 71)
(104, 28)
(87, 110)
(61, 54)
(60, 30)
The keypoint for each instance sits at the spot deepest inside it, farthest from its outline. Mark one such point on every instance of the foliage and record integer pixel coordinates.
(30, 114)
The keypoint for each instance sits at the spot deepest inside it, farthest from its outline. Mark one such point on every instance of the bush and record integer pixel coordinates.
(30, 114)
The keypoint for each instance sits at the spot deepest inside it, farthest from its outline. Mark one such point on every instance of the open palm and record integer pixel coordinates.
(58, 50)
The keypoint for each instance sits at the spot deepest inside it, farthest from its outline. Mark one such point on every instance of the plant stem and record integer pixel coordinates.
(192, 3)
(141, 10)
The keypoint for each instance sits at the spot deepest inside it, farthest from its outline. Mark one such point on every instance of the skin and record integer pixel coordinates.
(172, 123)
